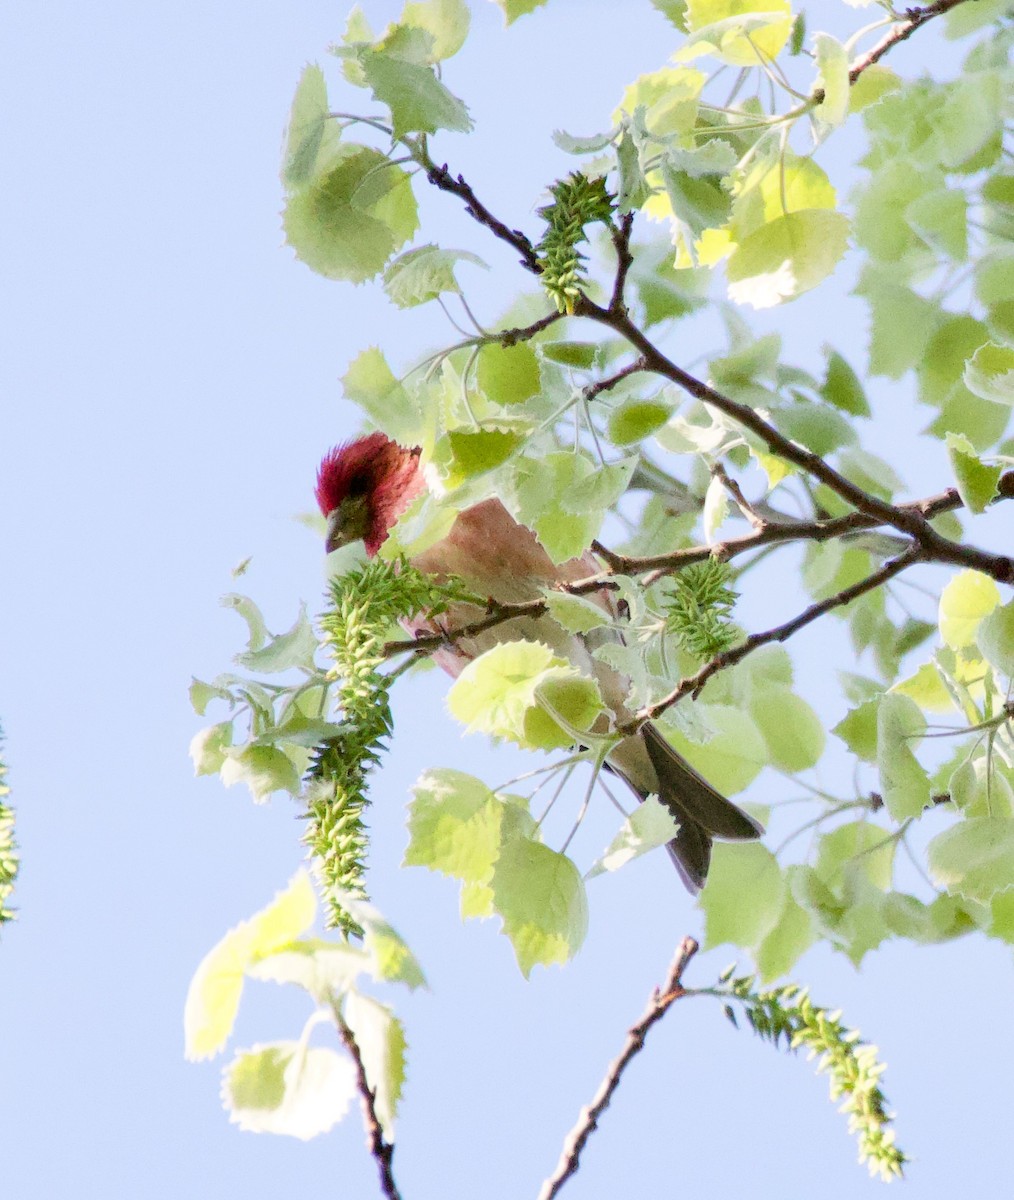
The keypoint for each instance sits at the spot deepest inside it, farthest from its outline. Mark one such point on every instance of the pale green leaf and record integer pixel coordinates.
(940, 218)
(512, 9)
(418, 101)
(989, 374)
(350, 219)
(264, 769)
(875, 82)
(792, 731)
(785, 944)
(744, 896)
(308, 121)
(740, 32)
(540, 896)
(509, 374)
(577, 614)
(786, 257)
(858, 730)
(258, 631)
(974, 858)
(842, 387)
(370, 383)
(901, 324)
(214, 993)
(287, 1088)
(995, 637)
(904, 783)
(424, 273)
(649, 826)
(446, 21)
(964, 602)
(296, 648)
(975, 479)
(635, 420)
(208, 747)
(832, 77)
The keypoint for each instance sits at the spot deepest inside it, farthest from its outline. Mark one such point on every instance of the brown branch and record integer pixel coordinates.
(496, 614)
(906, 519)
(624, 261)
(587, 1122)
(692, 684)
(511, 337)
(441, 178)
(604, 385)
(915, 18)
(736, 492)
(379, 1147)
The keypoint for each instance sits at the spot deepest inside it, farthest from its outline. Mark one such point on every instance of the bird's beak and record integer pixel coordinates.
(347, 523)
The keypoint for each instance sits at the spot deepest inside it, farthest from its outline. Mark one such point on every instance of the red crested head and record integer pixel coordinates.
(364, 486)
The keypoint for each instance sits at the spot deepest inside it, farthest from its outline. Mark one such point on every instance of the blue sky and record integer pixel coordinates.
(169, 379)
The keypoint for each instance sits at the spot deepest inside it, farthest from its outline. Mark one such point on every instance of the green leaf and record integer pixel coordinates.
(540, 896)
(842, 387)
(258, 631)
(570, 144)
(296, 648)
(418, 101)
(446, 21)
(786, 257)
(264, 769)
(740, 32)
(942, 365)
(744, 896)
(370, 383)
(994, 276)
(974, 858)
(208, 747)
(285, 1087)
(989, 374)
(977, 482)
(576, 614)
(571, 354)
(875, 82)
(966, 599)
(698, 203)
(308, 121)
(792, 731)
(424, 273)
(349, 221)
(380, 1037)
(901, 324)
(454, 826)
(995, 637)
(649, 826)
(509, 374)
(833, 77)
(512, 9)
(635, 420)
(540, 495)
(940, 218)
(517, 689)
(822, 430)
(214, 993)
(904, 782)
(785, 944)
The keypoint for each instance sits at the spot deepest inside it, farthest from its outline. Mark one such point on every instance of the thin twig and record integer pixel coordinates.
(914, 19)
(379, 1147)
(605, 385)
(624, 261)
(587, 1122)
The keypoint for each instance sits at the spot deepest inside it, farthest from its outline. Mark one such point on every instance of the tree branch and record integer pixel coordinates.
(441, 178)
(906, 519)
(692, 684)
(379, 1147)
(915, 18)
(587, 1122)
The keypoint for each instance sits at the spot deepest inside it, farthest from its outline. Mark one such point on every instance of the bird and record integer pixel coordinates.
(365, 485)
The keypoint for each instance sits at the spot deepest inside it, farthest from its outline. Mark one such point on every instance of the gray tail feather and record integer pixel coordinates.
(702, 812)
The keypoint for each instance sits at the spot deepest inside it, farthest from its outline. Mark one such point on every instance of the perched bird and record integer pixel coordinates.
(364, 486)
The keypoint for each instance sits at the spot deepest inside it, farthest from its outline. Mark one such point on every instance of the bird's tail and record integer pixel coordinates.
(702, 812)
